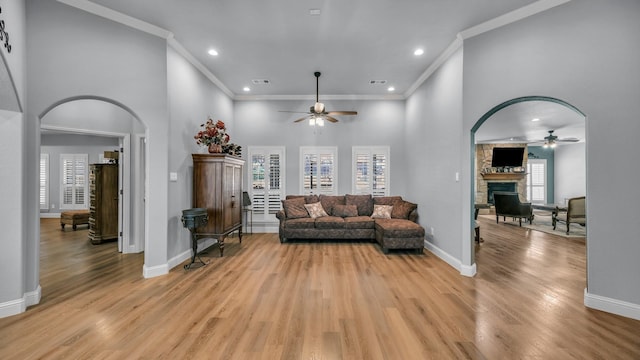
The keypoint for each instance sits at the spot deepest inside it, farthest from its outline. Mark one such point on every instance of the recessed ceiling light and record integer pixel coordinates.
(246, 88)
(213, 52)
(391, 88)
(418, 52)
(535, 119)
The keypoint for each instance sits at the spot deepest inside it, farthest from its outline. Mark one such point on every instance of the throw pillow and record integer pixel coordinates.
(315, 210)
(363, 202)
(345, 210)
(294, 208)
(381, 211)
(402, 209)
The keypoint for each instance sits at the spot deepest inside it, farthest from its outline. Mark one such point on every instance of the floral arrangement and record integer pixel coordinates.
(215, 137)
(212, 133)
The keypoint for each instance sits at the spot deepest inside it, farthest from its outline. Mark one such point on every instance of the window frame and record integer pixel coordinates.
(530, 186)
(84, 158)
(370, 152)
(319, 151)
(44, 181)
(266, 202)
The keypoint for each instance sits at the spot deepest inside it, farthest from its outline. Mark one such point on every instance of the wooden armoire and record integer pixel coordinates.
(103, 202)
(217, 186)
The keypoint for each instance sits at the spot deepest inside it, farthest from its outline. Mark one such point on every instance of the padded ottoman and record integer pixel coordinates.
(74, 218)
(399, 234)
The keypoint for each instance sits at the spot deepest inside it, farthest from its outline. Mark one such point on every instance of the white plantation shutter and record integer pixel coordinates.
(267, 181)
(44, 181)
(73, 186)
(370, 170)
(319, 170)
(536, 180)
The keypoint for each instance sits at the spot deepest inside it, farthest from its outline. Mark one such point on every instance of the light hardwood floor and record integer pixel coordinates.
(327, 300)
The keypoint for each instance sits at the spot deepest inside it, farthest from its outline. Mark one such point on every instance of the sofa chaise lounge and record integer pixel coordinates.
(389, 220)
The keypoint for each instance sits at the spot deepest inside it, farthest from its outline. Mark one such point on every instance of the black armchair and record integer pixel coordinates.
(508, 204)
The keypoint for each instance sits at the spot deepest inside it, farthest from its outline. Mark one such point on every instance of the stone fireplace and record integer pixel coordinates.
(484, 153)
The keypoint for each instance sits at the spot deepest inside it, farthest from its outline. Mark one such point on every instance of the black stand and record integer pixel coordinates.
(194, 247)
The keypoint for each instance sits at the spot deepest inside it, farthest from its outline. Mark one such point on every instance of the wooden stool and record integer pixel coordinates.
(74, 218)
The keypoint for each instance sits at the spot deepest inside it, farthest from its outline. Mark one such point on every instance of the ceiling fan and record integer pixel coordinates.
(317, 113)
(551, 140)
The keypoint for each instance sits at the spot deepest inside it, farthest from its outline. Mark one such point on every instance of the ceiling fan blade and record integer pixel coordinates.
(331, 118)
(568, 140)
(293, 112)
(302, 118)
(342, 113)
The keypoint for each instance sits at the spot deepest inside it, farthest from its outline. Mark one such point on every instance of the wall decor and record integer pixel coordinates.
(4, 35)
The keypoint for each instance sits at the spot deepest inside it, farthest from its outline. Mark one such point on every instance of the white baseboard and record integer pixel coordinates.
(154, 271)
(185, 255)
(50, 215)
(18, 306)
(610, 305)
(465, 270)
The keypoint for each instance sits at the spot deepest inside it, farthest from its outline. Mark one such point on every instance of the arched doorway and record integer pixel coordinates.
(525, 121)
(103, 117)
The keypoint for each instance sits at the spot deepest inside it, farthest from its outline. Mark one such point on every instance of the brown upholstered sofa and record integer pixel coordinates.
(389, 220)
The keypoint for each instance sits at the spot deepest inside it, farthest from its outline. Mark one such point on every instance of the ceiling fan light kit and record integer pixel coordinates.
(317, 113)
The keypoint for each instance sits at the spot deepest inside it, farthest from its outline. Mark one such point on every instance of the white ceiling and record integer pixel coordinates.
(351, 42)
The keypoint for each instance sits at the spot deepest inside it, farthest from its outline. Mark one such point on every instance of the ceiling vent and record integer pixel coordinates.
(261, 81)
(314, 12)
(377, 82)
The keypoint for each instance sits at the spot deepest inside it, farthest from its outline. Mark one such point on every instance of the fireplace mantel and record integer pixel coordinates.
(504, 176)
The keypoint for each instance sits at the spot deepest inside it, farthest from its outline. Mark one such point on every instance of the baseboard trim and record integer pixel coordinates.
(465, 270)
(50, 215)
(154, 271)
(613, 306)
(18, 306)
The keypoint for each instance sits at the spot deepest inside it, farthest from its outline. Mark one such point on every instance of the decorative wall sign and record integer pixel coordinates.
(4, 35)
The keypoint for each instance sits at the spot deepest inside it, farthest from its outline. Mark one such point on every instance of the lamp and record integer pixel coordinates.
(316, 121)
(318, 108)
(549, 143)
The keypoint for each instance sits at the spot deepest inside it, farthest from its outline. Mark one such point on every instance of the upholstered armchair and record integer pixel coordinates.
(576, 213)
(508, 205)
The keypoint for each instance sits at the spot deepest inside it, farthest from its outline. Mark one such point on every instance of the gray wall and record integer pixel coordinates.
(56, 144)
(90, 56)
(14, 283)
(433, 146)
(258, 123)
(192, 98)
(570, 172)
(586, 53)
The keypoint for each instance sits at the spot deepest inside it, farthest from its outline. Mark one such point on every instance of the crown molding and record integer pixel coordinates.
(198, 65)
(500, 21)
(119, 17)
(511, 17)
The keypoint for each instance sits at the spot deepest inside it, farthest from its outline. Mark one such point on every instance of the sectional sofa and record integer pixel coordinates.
(389, 220)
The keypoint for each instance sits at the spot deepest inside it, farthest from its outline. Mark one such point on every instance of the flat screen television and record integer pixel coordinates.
(507, 156)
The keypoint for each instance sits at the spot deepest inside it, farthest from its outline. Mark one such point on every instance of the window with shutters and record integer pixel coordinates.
(44, 181)
(74, 184)
(266, 179)
(537, 181)
(319, 170)
(370, 166)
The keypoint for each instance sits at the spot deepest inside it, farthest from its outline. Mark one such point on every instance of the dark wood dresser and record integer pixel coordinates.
(103, 202)
(217, 186)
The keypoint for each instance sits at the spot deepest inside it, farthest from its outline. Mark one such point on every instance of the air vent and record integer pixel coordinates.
(377, 82)
(261, 81)
(314, 12)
